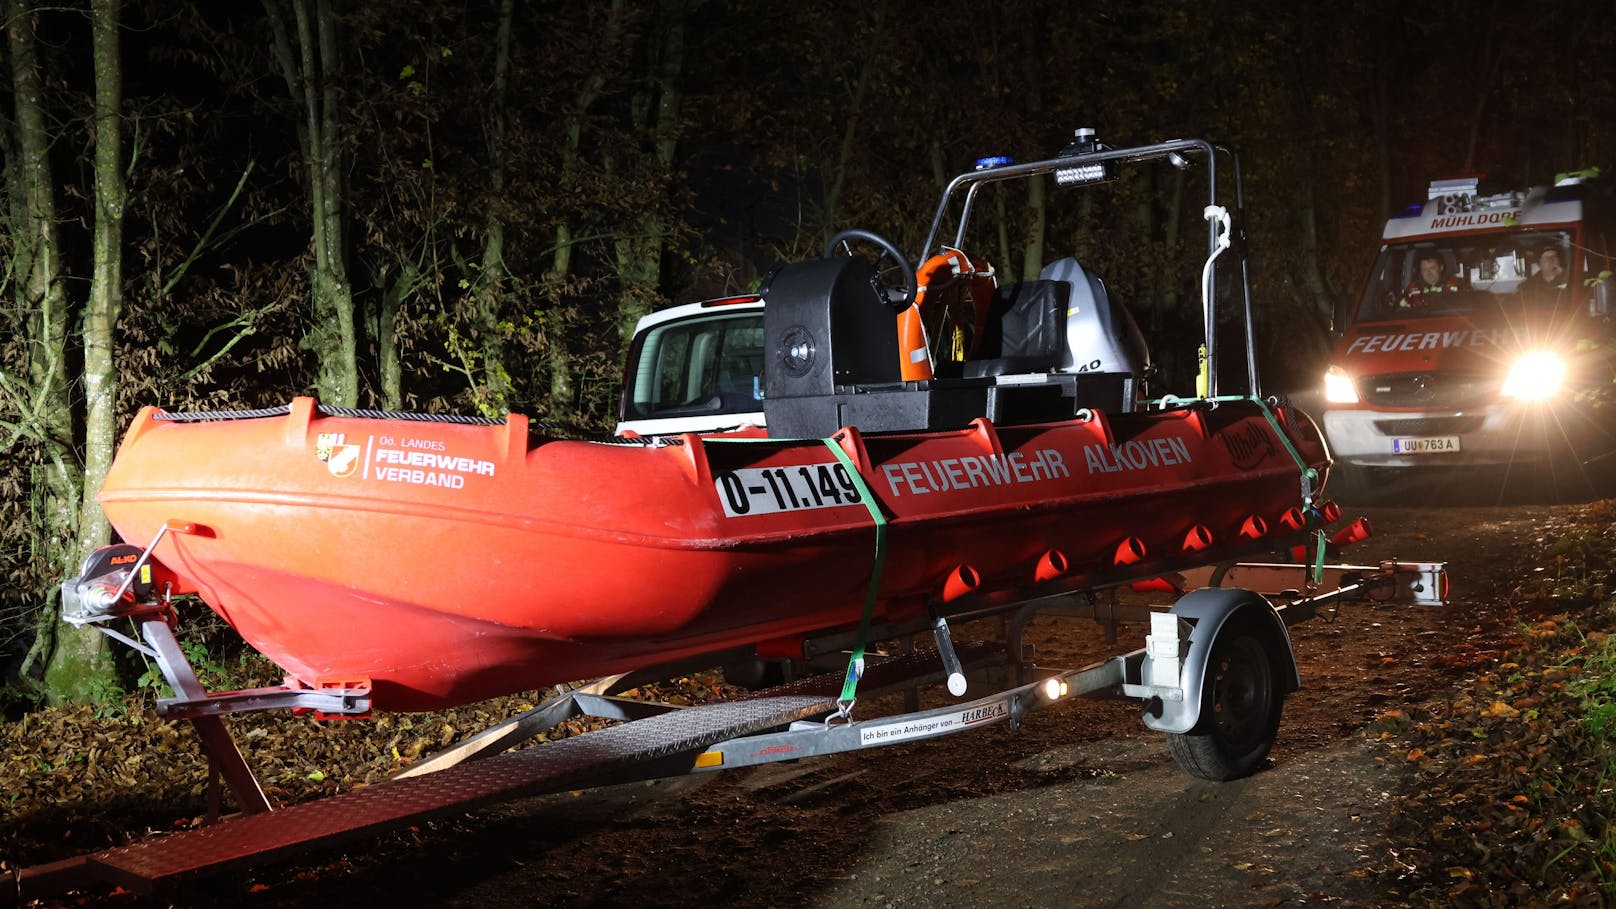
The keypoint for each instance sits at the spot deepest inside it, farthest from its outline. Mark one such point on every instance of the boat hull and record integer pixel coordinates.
(445, 563)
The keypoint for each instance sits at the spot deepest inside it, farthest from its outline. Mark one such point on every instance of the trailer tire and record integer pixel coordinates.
(1240, 709)
(759, 675)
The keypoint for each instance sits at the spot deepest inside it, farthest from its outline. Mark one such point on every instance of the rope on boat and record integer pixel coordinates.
(637, 441)
(404, 415)
(202, 416)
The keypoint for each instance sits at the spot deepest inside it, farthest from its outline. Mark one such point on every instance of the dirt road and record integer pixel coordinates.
(1081, 807)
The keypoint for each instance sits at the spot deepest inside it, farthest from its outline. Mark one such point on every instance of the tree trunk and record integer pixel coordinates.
(311, 78)
(1309, 273)
(1492, 56)
(1034, 262)
(389, 361)
(1032, 30)
(1382, 116)
(559, 357)
(639, 257)
(495, 399)
(844, 154)
(1171, 291)
(106, 281)
(77, 667)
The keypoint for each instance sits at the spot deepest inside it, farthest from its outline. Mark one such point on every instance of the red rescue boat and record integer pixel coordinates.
(444, 563)
(998, 435)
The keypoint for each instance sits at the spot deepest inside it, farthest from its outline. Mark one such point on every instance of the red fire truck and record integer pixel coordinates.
(1482, 337)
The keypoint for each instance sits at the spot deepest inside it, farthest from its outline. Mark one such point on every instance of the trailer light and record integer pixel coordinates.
(1534, 376)
(1339, 387)
(1055, 688)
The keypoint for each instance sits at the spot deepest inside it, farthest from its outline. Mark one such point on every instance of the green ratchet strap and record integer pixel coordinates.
(1315, 571)
(855, 663)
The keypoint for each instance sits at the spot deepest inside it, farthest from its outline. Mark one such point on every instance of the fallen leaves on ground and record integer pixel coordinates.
(79, 779)
(1514, 801)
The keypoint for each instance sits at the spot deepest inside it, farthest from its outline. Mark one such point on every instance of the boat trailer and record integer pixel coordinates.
(1212, 674)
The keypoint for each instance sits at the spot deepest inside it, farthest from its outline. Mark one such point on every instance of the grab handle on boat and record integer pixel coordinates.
(1129, 552)
(961, 581)
(1356, 532)
(1051, 565)
(1293, 519)
(1198, 538)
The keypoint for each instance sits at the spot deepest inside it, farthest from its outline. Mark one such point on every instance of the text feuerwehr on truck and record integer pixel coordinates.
(1482, 336)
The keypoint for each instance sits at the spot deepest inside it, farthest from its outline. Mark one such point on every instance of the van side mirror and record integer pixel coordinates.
(1338, 316)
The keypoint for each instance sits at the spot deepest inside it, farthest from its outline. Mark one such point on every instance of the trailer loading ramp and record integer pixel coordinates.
(656, 746)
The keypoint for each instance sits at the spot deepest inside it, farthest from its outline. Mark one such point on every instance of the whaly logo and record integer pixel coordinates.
(1248, 446)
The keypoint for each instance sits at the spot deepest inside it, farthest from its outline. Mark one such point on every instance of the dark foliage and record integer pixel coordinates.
(789, 121)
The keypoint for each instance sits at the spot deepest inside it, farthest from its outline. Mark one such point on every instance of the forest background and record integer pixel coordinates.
(465, 205)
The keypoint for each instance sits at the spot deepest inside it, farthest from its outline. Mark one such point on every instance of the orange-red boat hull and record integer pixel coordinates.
(444, 563)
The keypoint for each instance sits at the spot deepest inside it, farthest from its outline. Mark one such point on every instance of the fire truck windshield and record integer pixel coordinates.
(1462, 274)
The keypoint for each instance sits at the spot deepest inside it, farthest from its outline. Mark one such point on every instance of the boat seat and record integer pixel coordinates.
(1065, 329)
(1025, 331)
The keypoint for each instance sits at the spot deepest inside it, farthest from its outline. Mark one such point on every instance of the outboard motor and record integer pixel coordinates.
(1101, 335)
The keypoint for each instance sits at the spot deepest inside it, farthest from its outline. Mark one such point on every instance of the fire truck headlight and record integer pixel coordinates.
(1339, 388)
(1535, 376)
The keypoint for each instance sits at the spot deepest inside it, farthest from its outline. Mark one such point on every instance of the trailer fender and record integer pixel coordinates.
(1202, 615)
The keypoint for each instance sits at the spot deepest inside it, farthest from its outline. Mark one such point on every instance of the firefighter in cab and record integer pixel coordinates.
(1551, 272)
(1432, 279)
(1548, 286)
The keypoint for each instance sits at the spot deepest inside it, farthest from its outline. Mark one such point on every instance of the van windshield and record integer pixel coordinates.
(698, 367)
(1461, 275)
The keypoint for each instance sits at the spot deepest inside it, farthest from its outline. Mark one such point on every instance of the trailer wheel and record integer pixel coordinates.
(757, 675)
(1240, 710)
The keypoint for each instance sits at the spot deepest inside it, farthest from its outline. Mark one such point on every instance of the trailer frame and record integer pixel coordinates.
(1169, 676)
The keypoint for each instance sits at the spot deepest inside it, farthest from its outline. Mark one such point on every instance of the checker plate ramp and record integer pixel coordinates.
(597, 758)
